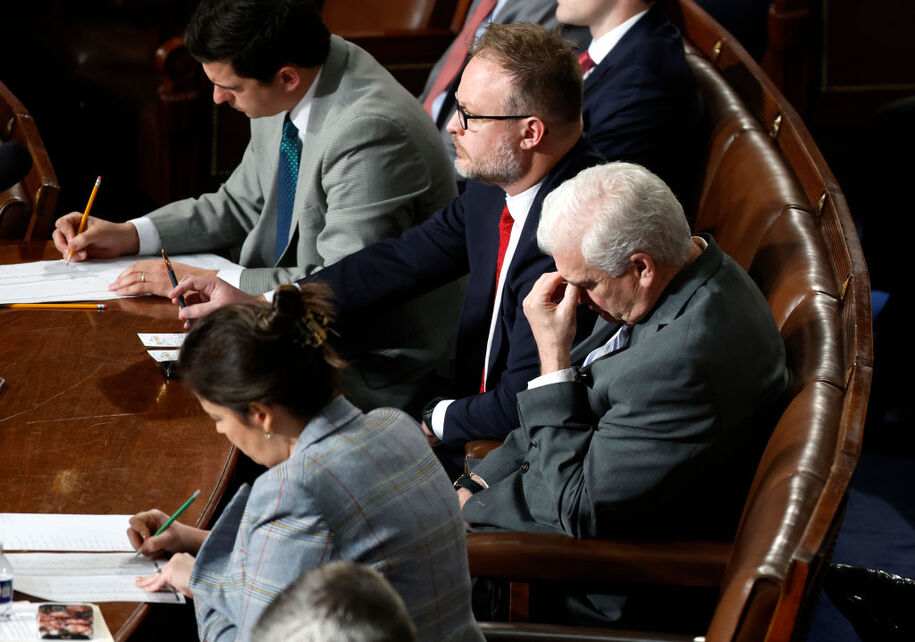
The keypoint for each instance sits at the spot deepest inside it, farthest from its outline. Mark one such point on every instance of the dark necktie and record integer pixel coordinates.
(287, 176)
(505, 232)
(587, 63)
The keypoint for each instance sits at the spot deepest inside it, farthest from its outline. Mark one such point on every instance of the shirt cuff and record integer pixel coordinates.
(150, 243)
(559, 376)
(232, 276)
(438, 417)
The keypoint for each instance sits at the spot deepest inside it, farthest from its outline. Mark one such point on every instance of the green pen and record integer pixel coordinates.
(176, 515)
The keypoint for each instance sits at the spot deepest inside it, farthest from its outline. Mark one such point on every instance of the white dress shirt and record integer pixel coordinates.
(601, 47)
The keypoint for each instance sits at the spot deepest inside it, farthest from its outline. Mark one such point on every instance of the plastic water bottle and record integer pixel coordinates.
(6, 586)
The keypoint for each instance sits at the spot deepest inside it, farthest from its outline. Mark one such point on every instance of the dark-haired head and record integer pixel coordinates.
(258, 37)
(269, 353)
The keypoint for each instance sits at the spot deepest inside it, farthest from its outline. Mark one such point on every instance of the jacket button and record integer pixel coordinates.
(525, 467)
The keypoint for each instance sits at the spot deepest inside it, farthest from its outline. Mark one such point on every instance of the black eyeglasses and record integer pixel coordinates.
(463, 116)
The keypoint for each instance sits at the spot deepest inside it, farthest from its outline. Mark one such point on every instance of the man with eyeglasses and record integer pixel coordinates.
(517, 135)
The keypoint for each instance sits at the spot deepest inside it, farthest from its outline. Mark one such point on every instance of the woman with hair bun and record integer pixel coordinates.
(341, 485)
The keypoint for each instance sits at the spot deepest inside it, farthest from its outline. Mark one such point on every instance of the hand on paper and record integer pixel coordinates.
(176, 573)
(205, 293)
(150, 277)
(550, 311)
(177, 538)
(100, 240)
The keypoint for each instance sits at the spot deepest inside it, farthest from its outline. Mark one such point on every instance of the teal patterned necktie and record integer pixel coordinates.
(287, 176)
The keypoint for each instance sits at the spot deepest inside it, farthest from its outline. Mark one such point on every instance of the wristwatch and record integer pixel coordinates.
(465, 481)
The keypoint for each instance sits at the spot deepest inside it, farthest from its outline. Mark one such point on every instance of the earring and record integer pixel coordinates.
(267, 435)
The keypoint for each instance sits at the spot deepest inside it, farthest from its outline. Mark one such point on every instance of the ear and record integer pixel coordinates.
(533, 132)
(645, 269)
(289, 78)
(261, 416)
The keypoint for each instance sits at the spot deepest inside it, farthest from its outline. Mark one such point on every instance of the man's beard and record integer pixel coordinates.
(500, 167)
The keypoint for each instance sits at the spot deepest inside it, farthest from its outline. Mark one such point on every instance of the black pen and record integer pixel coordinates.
(174, 280)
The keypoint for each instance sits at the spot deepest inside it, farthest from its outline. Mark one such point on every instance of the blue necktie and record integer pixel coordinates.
(287, 176)
(617, 342)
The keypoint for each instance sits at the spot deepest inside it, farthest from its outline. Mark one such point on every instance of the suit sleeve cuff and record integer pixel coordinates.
(438, 417)
(558, 376)
(150, 243)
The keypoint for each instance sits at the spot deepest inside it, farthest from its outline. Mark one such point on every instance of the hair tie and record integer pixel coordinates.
(316, 326)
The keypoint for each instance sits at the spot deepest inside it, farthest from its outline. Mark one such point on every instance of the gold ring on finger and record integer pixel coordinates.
(142, 277)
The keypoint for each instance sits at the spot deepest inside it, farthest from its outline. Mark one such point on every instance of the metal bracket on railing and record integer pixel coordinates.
(716, 50)
(776, 127)
(821, 203)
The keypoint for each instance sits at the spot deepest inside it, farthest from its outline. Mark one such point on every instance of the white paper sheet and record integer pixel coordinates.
(23, 626)
(52, 281)
(64, 532)
(86, 577)
(162, 340)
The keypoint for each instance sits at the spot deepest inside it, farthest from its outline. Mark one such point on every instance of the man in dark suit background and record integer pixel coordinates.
(658, 434)
(518, 136)
(641, 103)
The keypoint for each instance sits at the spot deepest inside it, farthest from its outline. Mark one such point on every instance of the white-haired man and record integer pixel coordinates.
(658, 433)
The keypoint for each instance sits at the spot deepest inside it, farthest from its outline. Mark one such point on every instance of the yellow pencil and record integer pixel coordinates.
(56, 306)
(82, 221)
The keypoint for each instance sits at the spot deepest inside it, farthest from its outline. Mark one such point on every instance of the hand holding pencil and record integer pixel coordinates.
(82, 221)
(96, 238)
(154, 533)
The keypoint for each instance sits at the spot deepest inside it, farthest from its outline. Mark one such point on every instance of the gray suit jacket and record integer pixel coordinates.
(357, 487)
(372, 166)
(660, 438)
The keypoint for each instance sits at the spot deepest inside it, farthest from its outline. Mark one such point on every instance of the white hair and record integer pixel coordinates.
(338, 602)
(613, 211)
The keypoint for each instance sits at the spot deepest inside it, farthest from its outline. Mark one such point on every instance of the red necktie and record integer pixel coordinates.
(586, 62)
(505, 232)
(458, 53)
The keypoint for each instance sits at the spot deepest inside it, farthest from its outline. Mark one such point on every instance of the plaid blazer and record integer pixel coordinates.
(361, 487)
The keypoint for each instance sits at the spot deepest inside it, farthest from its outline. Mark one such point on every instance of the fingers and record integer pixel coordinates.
(547, 285)
(153, 583)
(65, 229)
(570, 300)
(196, 311)
(176, 573)
(142, 277)
(142, 526)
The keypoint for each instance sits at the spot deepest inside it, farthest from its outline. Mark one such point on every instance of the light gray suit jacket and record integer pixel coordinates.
(371, 167)
(657, 439)
(360, 487)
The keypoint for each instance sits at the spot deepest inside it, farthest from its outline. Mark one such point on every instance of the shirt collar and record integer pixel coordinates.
(520, 204)
(600, 47)
(299, 114)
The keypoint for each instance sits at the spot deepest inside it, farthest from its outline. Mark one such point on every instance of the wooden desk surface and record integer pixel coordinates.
(88, 423)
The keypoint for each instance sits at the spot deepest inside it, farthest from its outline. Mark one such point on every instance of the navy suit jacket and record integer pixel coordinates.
(463, 239)
(641, 103)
